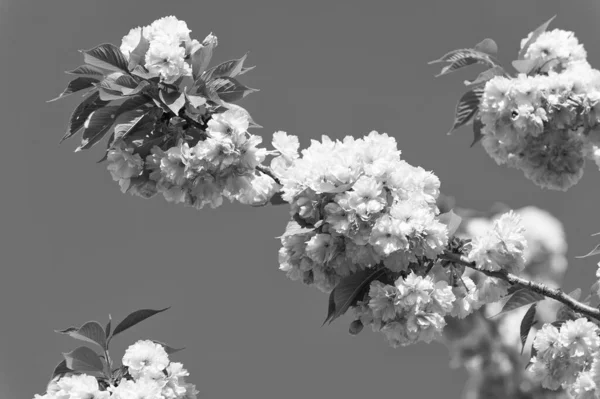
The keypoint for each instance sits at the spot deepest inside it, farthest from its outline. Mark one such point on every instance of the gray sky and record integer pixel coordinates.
(76, 249)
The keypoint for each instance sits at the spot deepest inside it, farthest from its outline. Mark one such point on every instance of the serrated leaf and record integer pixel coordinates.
(593, 252)
(461, 58)
(294, 228)
(195, 101)
(229, 89)
(520, 298)
(97, 125)
(91, 331)
(566, 313)
(134, 318)
(170, 350)
(61, 369)
(477, 127)
(77, 84)
(138, 55)
(277, 199)
(106, 56)
(84, 360)
(175, 100)
(109, 95)
(230, 68)
(485, 76)
(467, 107)
(107, 329)
(452, 220)
(86, 70)
(487, 46)
(134, 102)
(201, 57)
(526, 66)
(82, 112)
(127, 121)
(534, 36)
(348, 291)
(526, 324)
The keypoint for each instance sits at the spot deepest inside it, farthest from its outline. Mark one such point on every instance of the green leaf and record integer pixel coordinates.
(201, 57)
(565, 312)
(526, 324)
(520, 298)
(106, 56)
(84, 360)
(477, 127)
(593, 252)
(134, 102)
(349, 290)
(294, 228)
(107, 329)
(229, 89)
(135, 318)
(174, 100)
(486, 75)
(86, 70)
(230, 68)
(97, 125)
(168, 349)
(534, 36)
(467, 107)
(119, 373)
(355, 327)
(110, 95)
(526, 66)
(61, 369)
(76, 85)
(138, 55)
(452, 220)
(277, 199)
(461, 58)
(136, 90)
(91, 331)
(195, 101)
(487, 46)
(82, 112)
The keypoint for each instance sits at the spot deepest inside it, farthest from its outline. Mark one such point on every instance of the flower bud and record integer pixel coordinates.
(355, 327)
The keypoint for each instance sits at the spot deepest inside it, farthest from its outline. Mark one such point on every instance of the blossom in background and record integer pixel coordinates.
(123, 164)
(74, 387)
(502, 247)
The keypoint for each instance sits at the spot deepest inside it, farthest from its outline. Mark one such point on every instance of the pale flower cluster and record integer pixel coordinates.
(411, 310)
(545, 124)
(567, 356)
(152, 376)
(501, 247)
(222, 165)
(169, 47)
(354, 204)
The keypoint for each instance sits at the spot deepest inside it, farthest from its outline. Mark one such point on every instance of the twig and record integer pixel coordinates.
(554, 293)
(267, 171)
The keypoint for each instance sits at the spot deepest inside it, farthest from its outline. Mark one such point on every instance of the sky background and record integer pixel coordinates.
(76, 249)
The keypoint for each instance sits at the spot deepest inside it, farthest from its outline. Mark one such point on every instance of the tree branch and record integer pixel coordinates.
(267, 171)
(555, 293)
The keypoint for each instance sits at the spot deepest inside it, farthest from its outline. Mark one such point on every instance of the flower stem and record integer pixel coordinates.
(267, 171)
(555, 293)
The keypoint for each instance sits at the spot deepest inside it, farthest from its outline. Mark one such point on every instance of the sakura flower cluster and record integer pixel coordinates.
(220, 165)
(354, 204)
(545, 122)
(567, 356)
(169, 47)
(149, 374)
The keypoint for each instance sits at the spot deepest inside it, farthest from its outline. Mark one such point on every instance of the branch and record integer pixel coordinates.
(267, 171)
(555, 293)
